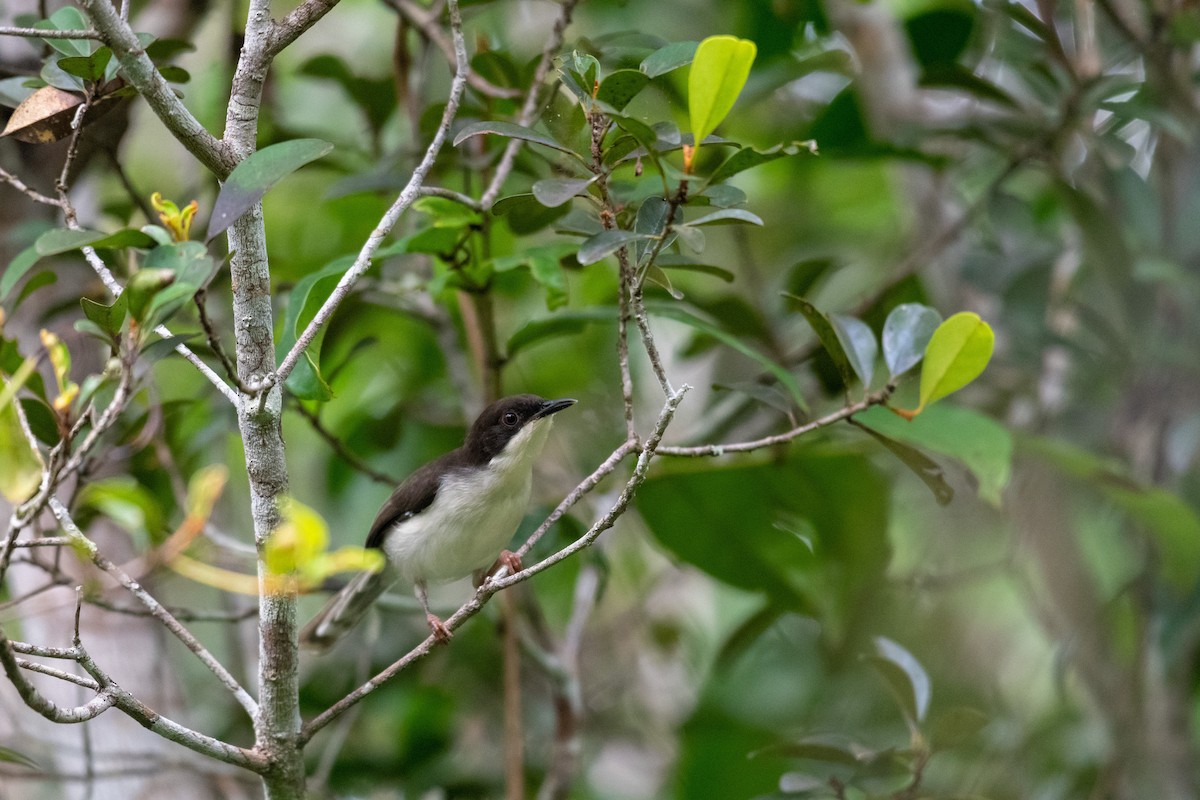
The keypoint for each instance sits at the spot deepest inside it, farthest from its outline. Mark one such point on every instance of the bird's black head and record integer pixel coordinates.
(504, 419)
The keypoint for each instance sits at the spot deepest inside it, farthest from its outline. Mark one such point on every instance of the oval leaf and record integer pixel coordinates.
(671, 57)
(257, 173)
(511, 131)
(621, 86)
(826, 334)
(553, 192)
(858, 340)
(604, 244)
(719, 71)
(957, 353)
(906, 334)
(727, 216)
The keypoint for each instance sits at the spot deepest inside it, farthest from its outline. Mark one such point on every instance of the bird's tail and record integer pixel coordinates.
(345, 609)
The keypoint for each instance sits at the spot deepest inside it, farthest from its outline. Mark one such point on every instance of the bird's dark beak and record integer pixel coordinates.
(553, 407)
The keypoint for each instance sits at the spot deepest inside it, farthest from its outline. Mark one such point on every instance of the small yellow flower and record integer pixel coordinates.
(176, 220)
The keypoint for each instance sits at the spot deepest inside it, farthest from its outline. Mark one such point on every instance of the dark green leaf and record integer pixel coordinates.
(827, 336)
(41, 420)
(726, 216)
(43, 278)
(748, 158)
(553, 192)
(108, 318)
(62, 240)
(174, 74)
(723, 195)
(305, 300)
(511, 131)
(650, 222)
(984, 445)
(671, 57)
(90, 68)
(562, 324)
(604, 244)
(256, 174)
(547, 271)
(17, 268)
(67, 18)
(525, 214)
(162, 348)
(685, 264)
(924, 467)
(190, 262)
(620, 87)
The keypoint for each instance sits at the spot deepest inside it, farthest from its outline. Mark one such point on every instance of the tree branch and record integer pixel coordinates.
(285, 31)
(145, 77)
(45, 33)
(409, 194)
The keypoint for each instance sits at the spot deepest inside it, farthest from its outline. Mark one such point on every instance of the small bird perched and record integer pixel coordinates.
(451, 517)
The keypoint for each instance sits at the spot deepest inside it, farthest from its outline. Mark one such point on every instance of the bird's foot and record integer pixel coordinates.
(511, 561)
(441, 633)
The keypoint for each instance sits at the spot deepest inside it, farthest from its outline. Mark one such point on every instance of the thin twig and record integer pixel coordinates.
(874, 399)
(15, 182)
(409, 194)
(343, 452)
(533, 102)
(214, 340)
(43, 33)
(42, 669)
(159, 612)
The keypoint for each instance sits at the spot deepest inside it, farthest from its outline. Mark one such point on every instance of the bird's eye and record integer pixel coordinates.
(510, 419)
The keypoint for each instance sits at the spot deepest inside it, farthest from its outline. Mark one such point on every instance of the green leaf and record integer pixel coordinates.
(25, 261)
(826, 334)
(726, 216)
(256, 174)
(446, 213)
(305, 300)
(905, 675)
(956, 725)
(553, 192)
(858, 341)
(957, 353)
(547, 271)
(621, 86)
(67, 18)
(650, 222)
(723, 195)
(906, 334)
(190, 262)
(525, 214)
(748, 158)
(90, 68)
(142, 288)
(978, 441)
(108, 318)
(719, 71)
(685, 264)
(64, 240)
(604, 244)
(784, 377)
(929, 471)
(128, 503)
(20, 465)
(564, 323)
(511, 130)
(671, 57)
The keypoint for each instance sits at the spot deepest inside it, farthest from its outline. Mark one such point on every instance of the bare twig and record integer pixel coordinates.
(15, 182)
(874, 399)
(43, 33)
(158, 611)
(285, 31)
(343, 452)
(405, 199)
(42, 669)
(496, 584)
(145, 77)
(533, 102)
(425, 21)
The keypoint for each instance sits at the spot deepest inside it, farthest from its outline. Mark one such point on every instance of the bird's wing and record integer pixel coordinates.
(412, 496)
(345, 609)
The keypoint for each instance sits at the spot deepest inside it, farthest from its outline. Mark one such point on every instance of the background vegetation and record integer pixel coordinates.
(1013, 614)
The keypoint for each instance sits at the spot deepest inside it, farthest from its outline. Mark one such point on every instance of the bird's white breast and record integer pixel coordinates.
(473, 516)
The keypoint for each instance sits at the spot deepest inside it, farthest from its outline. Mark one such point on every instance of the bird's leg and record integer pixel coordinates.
(440, 631)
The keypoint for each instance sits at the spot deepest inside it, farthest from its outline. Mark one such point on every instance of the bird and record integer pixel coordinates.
(451, 517)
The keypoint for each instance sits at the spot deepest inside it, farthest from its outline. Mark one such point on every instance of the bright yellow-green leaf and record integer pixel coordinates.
(203, 490)
(958, 351)
(350, 559)
(20, 464)
(298, 542)
(719, 71)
